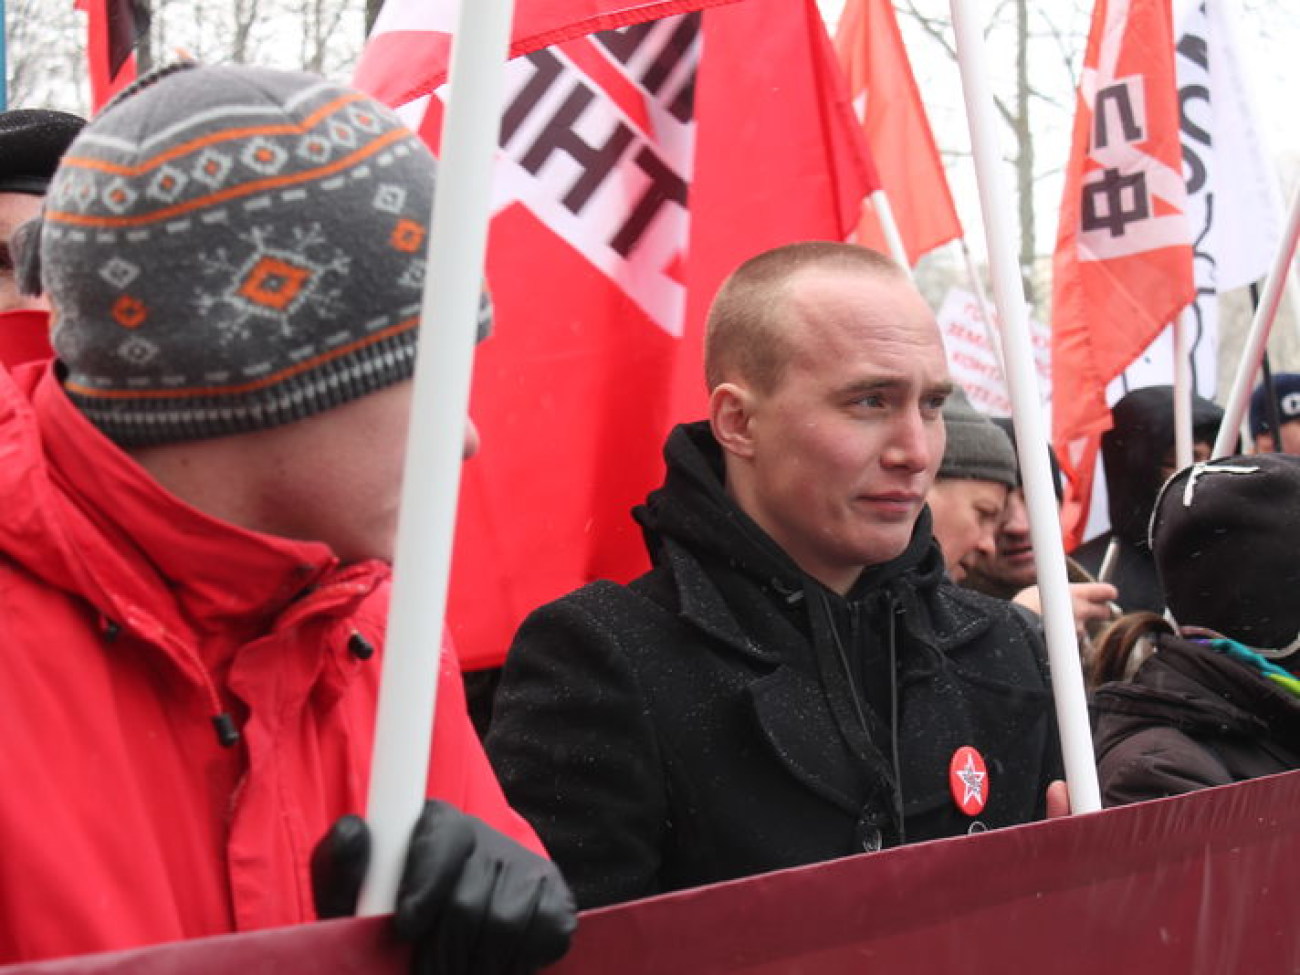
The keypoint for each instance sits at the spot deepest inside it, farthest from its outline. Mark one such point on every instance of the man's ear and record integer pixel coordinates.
(731, 416)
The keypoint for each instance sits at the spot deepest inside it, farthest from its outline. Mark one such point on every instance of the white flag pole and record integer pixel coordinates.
(1182, 390)
(439, 407)
(986, 312)
(1257, 338)
(1293, 299)
(1031, 435)
(889, 227)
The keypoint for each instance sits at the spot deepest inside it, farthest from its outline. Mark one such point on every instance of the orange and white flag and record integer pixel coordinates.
(888, 104)
(1123, 263)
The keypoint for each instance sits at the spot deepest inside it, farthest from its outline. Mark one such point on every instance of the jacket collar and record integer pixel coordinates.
(1189, 686)
(703, 606)
(134, 547)
(691, 521)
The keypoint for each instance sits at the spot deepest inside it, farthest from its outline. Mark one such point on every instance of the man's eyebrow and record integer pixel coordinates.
(882, 384)
(891, 383)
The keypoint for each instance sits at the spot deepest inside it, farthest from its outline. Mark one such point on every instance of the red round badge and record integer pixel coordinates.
(969, 780)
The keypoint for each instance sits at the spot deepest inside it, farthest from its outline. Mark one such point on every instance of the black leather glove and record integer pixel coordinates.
(471, 900)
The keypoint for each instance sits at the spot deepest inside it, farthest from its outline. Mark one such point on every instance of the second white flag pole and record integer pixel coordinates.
(1027, 415)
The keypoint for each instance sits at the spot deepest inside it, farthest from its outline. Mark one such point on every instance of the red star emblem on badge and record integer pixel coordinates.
(968, 780)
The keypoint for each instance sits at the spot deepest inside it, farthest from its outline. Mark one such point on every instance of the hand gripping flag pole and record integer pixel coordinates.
(1031, 434)
(439, 409)
(1257, 338)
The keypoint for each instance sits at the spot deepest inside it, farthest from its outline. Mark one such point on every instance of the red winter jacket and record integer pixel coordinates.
(129, 622)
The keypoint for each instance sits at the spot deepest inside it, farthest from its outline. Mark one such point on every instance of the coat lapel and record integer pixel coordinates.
(798, 729)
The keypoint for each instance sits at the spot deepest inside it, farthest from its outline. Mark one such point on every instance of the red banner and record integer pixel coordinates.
(1205, 883)
(638, 167)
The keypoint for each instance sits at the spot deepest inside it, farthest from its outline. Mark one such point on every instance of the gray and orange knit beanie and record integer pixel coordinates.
(232, 248)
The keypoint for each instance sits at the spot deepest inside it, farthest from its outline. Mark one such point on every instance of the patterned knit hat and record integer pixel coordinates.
(1225, 535)
(977, 448)
(232, 248)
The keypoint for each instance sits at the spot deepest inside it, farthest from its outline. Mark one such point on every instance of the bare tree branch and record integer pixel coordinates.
(933, 27)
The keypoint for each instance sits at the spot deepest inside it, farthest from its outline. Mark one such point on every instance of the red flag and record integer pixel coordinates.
(113, 29)
(638, 167)
(1123, 263)
(888, 103)
(406, 56)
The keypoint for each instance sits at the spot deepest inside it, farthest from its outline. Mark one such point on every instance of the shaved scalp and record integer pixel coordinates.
(745, 335)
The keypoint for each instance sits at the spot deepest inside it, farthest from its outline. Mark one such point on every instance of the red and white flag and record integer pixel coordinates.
(1123, 264)
(638, 166)
(888, 104)
(113, 28)
(408, 53)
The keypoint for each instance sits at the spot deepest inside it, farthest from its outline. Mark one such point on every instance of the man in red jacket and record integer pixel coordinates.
(201, 496)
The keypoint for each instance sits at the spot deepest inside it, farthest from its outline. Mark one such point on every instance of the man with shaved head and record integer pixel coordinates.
(796, 679)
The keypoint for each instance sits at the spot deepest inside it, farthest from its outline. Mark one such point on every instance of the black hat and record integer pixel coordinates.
(1286, 386)
(31, 142)
(1134, 448)
(1225, 535)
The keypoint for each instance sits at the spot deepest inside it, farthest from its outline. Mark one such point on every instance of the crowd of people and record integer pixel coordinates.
(836, 649)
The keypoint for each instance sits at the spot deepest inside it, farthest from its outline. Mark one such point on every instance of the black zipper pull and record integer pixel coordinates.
(227, 733)
(360, 647)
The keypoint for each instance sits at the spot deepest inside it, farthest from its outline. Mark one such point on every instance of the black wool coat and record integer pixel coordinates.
(726, 715)
(1190, 719)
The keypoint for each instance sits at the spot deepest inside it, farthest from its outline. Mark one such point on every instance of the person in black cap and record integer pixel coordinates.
(1138, 451)
(32, 140)
(1218, 701)
(1286, 387)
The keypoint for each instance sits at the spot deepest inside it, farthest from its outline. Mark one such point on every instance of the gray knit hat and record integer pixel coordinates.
(977, 448)
(232, 248)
